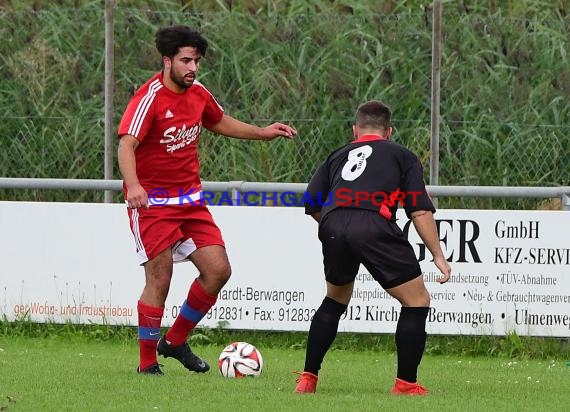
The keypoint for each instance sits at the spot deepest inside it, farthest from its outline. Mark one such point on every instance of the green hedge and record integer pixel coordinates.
(504, 76)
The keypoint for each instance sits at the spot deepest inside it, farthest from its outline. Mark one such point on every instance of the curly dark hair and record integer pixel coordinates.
(170, 39)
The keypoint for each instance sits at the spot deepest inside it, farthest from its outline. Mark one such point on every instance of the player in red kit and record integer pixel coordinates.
(158, 159)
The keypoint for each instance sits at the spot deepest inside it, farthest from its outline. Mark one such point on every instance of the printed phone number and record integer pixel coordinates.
(257, 313)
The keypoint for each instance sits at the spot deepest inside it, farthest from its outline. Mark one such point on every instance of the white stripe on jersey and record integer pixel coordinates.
(142, 108)
(196, 82)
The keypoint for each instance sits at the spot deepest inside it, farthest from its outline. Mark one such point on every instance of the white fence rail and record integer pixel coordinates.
(235, 187)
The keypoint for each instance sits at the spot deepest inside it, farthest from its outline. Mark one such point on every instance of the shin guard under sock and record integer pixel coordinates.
(196, 305)
(322, 333)
(149, 332)
(410, 341)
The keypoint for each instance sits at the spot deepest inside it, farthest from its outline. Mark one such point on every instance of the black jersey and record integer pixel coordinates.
(371, 174)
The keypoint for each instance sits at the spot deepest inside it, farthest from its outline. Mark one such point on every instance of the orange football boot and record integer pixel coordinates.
(307, 383)
(401, 387)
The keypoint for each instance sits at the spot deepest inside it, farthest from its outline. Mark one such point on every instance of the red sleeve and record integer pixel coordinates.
(213, 112)
(138, 115)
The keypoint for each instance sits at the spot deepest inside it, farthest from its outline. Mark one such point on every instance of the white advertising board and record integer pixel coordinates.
(73, 262)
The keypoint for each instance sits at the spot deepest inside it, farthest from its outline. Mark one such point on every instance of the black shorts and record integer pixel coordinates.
(351, 237)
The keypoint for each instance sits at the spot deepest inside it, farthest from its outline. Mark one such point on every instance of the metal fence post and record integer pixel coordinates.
(109, 81)
(435, 95)
(565, 201)
(235, 187)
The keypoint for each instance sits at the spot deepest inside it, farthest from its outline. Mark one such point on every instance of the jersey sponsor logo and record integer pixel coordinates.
(176, 139)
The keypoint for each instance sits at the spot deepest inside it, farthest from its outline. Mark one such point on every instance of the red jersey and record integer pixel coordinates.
(168, 126)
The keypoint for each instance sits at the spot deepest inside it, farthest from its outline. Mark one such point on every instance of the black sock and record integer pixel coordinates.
(410, 341)
(322, 333)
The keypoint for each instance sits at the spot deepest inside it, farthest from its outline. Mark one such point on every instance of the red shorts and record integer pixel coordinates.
(185, 228)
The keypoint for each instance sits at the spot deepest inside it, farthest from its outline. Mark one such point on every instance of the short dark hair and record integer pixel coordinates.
(170, 39)
(373, 115)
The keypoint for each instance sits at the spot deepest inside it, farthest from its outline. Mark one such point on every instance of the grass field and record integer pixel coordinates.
(66, 374)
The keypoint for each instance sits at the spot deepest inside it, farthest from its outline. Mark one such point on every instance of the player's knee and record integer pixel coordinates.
(159, 279)
(157, 287)
(225, 274)
(416, 298)
(425, 299)
(420, 299)
(217, 276)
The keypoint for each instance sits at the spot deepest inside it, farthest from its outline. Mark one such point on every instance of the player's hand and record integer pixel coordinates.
(443, 267)
(137, 197)
(278, 129)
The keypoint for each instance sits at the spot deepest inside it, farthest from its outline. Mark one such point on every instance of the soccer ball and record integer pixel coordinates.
(240, 359)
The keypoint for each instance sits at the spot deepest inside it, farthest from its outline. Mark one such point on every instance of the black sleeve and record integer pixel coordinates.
(317, 190)
(414, 187)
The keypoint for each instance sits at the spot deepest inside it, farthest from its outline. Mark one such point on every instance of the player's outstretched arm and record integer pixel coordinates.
(425, 226)
(231, 127)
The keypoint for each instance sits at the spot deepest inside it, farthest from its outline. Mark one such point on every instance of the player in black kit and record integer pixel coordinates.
(363, 183)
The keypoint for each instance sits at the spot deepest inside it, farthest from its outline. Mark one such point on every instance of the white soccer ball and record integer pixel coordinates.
(240, 359)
